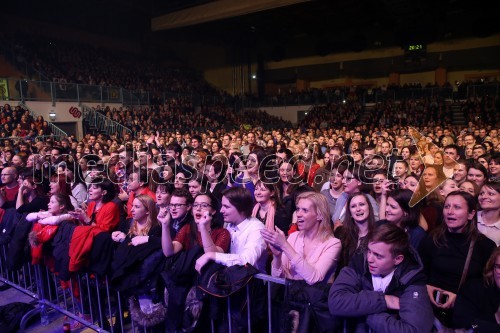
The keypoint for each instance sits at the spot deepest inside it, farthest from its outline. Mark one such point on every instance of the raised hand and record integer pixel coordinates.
(206, 219)
(164, 216)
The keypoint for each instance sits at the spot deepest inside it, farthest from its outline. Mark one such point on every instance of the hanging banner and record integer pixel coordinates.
(4, 89)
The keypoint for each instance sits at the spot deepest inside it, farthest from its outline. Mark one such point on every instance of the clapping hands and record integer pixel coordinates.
(276, 239)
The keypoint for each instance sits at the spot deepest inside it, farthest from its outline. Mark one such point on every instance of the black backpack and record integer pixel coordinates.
(11, 315)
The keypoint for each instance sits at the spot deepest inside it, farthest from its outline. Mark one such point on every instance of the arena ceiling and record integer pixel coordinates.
(320, 27)
(282, 29)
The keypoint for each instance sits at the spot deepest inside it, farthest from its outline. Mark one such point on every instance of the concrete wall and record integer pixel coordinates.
(62, 110)
(286, 112)
(423, 78)
(349, 81)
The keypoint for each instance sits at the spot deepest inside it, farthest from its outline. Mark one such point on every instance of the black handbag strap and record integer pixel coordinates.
(467, 263)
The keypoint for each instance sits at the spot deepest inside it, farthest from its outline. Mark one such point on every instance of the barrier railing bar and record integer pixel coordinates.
(23, 274)
(47, 276)
(54, 280)
(229, 314)
(270, 278)
(90, 299)
(249, 316)
(120, 312)
(109, 305)
(73, 300)
(32, 280)
(72, 316)
(98, 300)
(65, 299)
(21, 289)
(40, 288)
(269, 310)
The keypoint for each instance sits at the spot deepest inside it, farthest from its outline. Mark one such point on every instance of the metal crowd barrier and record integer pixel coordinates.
(96, 297)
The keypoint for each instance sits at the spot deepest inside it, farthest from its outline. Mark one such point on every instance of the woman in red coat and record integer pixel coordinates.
(102, 216)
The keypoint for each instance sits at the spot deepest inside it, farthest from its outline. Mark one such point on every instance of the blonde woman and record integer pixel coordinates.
(144, 225)
(137, 262)
(311, 253)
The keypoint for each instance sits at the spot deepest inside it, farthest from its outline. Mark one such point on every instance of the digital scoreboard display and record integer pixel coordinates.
(415, 52)
(415, 47)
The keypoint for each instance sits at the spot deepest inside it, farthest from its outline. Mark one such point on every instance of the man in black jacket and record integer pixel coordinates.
(383, 290)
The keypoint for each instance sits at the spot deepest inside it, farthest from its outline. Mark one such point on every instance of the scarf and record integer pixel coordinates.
(269, 217)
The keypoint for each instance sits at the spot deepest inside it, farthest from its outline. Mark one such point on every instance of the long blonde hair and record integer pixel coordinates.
(321, 205)
(152, 219)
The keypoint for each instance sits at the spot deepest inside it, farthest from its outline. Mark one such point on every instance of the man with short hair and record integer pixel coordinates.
(25, 147)
(385, 149)
(10, 187)
(400, 143)
(65, 146)
(482, 135)
(478, 150)
(180, 210)
(384, 289)
(335, 153)
(368, 154)
(334, 188)
(226, 142)
(91, 140)
(145, 157)
(56, 155)
(178, 139)
(283, 155)
(196, 142)
(250, 142)
(450, 159)
(469, 139)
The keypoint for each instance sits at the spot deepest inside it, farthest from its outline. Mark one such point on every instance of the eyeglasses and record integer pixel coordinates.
(176, 205)
(202, 205)
(8, 174)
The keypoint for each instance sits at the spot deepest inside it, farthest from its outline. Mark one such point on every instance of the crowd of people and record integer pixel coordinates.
(393, 224)
(68, 63)
(397, 224)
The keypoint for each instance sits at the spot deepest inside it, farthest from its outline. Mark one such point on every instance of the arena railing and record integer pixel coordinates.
(102, 123)
(483, 90)
(105, 308)
(17, 139)
(81, 93)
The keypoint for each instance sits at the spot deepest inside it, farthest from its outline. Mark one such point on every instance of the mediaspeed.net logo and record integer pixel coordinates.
(431, 178)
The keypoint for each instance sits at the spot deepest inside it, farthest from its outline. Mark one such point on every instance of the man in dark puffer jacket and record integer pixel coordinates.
(383, 290)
